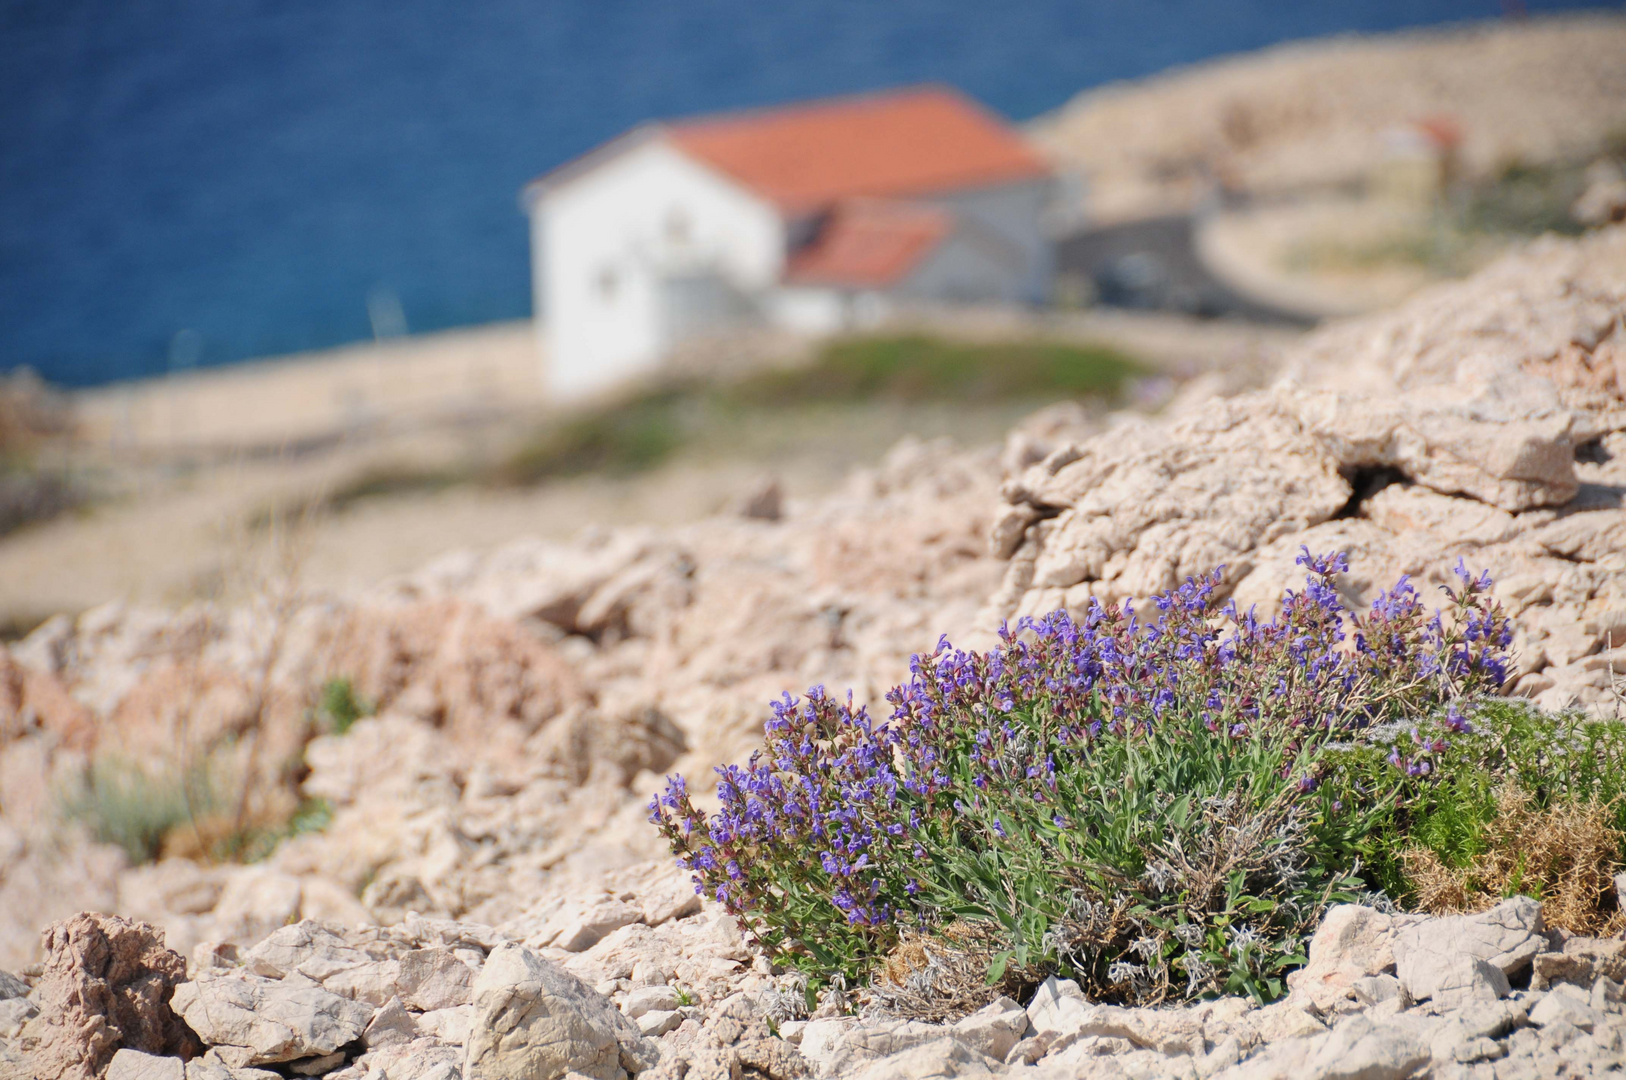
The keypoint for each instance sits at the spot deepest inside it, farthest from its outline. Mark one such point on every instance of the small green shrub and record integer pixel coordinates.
(338, 707)
(1462, 773)
(124, 803)
(1156, 807)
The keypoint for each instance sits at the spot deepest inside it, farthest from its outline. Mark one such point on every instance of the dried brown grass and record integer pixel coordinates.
(1566, 854)
(943, 976)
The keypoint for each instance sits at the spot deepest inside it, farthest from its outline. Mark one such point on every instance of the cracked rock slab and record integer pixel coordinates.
(251, 1020)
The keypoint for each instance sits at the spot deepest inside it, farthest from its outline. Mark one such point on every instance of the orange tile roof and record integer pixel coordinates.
(869, 243)
(900, 143)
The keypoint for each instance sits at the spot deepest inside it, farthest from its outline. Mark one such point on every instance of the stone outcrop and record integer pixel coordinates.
(1484, 420)
(105, 985)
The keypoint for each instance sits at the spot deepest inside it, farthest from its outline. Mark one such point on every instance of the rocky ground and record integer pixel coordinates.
(1317, 114)
(487, 900)
(661, 987)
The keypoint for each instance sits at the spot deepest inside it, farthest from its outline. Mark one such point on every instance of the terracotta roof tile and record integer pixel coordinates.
(869, 243)
(896, 144)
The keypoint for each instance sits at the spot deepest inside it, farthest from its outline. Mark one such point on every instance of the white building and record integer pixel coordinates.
(802, 217)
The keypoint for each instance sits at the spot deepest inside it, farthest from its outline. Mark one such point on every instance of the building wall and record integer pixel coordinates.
(1015, 214)
(970, 268)
(611, 241)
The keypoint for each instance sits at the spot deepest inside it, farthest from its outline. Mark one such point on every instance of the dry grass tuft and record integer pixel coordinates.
(944, 975)
(1566, 854)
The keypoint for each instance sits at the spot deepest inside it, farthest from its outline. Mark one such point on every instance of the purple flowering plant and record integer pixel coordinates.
(1153, 804)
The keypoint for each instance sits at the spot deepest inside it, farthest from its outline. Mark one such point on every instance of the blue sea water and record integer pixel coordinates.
(246, 173)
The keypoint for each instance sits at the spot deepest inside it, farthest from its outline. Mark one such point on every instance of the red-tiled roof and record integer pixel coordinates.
(896, 144)
(869, 243)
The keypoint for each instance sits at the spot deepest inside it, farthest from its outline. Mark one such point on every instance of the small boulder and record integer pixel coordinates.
(1559, 1007)
(1581, 961)
(1508, 936)
(658, 1022)
(646, 999)
(391, 1025)
(535, 1022)
(308, 947)
(1352, 942)
(940, 1059)
(1451, 980)
(435, 979)
(994, 1028)
(578, 927)
(1358, 1049)
(250, 1020)
(106, 985)
(1058, 1005)
(134, 1065)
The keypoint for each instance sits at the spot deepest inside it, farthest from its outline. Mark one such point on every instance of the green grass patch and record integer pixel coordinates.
(629, 436)
(921, 368)
(392, 479)
(645, 430)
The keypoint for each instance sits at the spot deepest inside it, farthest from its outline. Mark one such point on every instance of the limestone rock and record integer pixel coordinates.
(1352, 942)
(107, 984)
(134, 1065)
(993, 1029)
(1581, 961)
(869, 1041)
(255, 902)
(939, 1059)
(649, 999)
(434, 979)
(14, 1013)
(534, 1021)
(1142, 509)
(391, 1025)
(308, 947)
(1559, 1007)
(1358, 1049)
(1058, 1005)
(250, 1020)
(580, 925)
(1508, 937)
(1453, 979)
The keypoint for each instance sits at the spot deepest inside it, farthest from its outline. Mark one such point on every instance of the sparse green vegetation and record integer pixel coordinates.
(153, 811)
(1526, 200)
(1503, 787)
(917, 367)
(628, 436)
(646, 428)
(133, 806)
(391, 479)
(257, 841)
(643, 430)
(338, 707)
(1470, 225)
